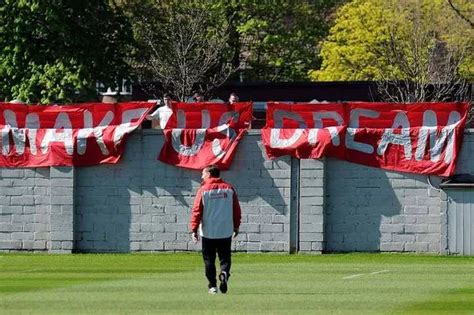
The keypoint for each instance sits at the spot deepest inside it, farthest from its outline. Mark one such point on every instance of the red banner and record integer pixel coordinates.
(69, 135)
(422, 138)
(200, 134)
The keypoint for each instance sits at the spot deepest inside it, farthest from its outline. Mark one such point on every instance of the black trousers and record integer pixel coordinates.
(221, 246)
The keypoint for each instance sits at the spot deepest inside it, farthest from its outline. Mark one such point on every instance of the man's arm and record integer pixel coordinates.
(154, 115)
(196, 212)
(237, 213)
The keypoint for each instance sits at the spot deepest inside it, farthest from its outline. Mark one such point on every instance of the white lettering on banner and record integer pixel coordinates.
(97, 131)
(216, 143)
(318, 124)
(126, 124)
(275, 140)
(181, 119)
(225, 129)
(206, 119)
(58, 137)
(430, 129)
(354, 125)
(65, 135)
(403, 138)
(200, 138)
(18, 134)
(32, 126)
(182, 149)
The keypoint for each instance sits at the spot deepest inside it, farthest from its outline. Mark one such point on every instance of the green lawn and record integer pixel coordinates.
(260, 284)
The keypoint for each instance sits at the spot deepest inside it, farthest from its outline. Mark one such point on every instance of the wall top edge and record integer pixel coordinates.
(160, 131)
(250, 131)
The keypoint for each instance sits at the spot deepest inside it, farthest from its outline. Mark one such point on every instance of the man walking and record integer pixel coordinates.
(216, 213)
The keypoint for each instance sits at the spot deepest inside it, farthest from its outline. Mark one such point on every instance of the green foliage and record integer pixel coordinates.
(367, 32)
(56, 51)
(278, 41)
(267, 40)
(182, 45)
(348, 52)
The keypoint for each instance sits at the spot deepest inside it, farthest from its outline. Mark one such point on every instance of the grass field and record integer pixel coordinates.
(260, 284)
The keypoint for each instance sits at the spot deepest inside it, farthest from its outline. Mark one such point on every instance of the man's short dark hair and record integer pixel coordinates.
(213, 170)
(196, 95)
(167, 95)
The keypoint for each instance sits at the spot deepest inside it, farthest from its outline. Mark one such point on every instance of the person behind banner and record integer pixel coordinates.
(162, 114)
(233, 98)
(216, 213)
(198, 97)
(17, 101)
(110, 96)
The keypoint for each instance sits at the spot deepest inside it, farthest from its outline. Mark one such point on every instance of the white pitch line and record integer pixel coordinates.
(353, 276)
(361, 274)
(378, 272)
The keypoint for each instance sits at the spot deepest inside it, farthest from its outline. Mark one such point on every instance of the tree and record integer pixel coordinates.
(346, 53)
(182, 45)
(409, 41)
(278, 41)
(56, 51)
(428, 53)
(463, 14)
(248, 41)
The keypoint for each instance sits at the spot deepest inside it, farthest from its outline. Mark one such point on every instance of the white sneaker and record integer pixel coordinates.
(212, 290)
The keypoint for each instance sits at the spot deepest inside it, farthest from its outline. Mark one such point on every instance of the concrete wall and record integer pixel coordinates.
(466, 159)
(289, 205)
(36, 209)
(143, 204)
(369, 209)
